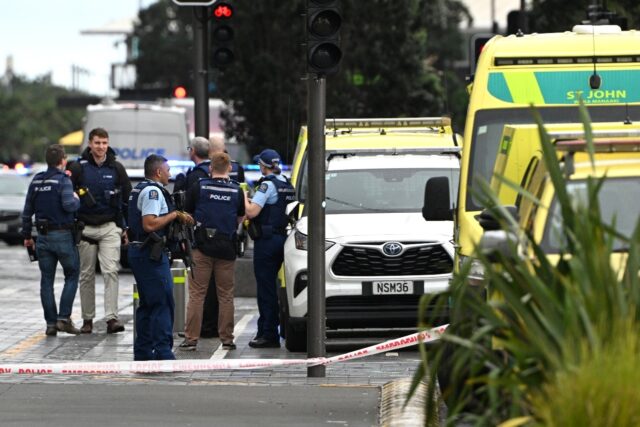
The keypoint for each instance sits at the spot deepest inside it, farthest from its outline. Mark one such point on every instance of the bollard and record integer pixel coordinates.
(179, 275)
(136, 304)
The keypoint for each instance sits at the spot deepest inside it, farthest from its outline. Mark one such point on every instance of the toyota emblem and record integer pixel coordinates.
(392, 249)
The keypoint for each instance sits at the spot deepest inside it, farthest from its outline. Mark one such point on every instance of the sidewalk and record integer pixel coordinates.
(23, 341)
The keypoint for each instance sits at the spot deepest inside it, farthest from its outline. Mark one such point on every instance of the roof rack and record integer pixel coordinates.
(600, 146)
(393, 150)
(601, 133)
(388, 122)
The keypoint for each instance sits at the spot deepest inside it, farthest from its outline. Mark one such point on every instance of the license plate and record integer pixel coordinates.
(4, 227)
(393, 287)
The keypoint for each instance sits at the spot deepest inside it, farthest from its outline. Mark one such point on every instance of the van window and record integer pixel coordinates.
(381, 190)
(617, 198)
(489, 125)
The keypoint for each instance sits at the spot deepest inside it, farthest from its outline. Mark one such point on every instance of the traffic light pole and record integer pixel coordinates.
(201, 71)
(316, 201)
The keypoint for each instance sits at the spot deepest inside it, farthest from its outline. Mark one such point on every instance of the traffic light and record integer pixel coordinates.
(477, 45)
(323, 36)
(179, 92)
(222, 35)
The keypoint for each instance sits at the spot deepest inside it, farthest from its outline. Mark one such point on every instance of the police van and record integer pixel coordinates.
(137, 130)
(381, 255)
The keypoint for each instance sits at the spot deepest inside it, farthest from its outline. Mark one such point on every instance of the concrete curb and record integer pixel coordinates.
(393, 413)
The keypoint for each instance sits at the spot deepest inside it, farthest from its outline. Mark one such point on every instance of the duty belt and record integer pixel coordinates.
(53, 227)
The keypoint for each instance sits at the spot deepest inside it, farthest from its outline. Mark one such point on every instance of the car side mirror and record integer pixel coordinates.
(488, 220)
(293, 212)
(437, 203)
(495, 243)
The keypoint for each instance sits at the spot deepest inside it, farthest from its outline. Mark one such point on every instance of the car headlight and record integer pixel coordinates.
(301, 241)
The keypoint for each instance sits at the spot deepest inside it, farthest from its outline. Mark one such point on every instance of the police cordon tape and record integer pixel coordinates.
(193, 365)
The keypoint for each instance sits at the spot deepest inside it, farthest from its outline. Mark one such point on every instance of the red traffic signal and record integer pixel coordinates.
(223, 11)
(180, 92)
(222, 35)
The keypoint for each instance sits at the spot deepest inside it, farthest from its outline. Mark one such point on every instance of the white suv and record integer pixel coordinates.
(381, 255)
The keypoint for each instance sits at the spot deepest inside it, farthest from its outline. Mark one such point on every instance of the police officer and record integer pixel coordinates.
(51, 198)
(104, 188)
(211, 310)
(150, 213)
(267, 209)
(217, 204)
(218, 146)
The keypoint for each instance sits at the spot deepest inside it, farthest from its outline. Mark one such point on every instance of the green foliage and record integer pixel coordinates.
(165, 45)
(582, 396)
(394, 57)
(558, 15)
(30, 119)
(542, 322)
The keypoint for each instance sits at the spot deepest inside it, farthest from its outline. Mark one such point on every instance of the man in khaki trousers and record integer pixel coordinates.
(217, 205)
(104, 187)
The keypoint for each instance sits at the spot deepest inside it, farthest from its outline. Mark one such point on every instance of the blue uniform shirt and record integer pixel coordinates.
(151, 202)
(48, 208)
(267, 193)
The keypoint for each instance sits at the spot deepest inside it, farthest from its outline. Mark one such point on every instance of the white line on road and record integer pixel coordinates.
(220, 353)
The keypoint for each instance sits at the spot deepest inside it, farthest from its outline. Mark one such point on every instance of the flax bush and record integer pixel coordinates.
(545, 342)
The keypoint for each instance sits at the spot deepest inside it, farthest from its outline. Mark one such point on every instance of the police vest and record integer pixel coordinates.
(200, 171)
(101, 182)
(275, 215)
(235, 174)
(217, 205)
(136, 232)
(46, 190)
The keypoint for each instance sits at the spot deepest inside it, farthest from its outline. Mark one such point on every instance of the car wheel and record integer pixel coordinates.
(12, 241)
(295, 340)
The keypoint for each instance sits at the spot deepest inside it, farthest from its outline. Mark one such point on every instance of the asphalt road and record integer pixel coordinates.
(153, 405)
(349, 395)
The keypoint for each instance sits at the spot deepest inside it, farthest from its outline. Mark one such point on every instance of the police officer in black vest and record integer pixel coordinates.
(217, 204)
(151, 211)
(51, 198)
(268, 229)
(104, 188)
(211, 309)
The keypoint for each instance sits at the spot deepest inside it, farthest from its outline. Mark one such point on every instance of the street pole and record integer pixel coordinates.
(201, 71)
(316, 201)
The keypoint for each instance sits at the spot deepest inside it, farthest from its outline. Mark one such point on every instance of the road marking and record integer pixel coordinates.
(220, 353)
(23, 345)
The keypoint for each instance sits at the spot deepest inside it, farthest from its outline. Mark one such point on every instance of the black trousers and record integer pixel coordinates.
(210, 310)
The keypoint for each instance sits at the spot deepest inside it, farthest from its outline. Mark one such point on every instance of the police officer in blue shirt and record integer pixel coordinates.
(268, 229)
(151, 210)
(51, 198)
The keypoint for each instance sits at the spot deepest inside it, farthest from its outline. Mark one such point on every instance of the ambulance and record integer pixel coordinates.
(599, 64)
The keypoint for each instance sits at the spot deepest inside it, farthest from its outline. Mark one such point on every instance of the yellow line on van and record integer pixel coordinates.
(524, 87)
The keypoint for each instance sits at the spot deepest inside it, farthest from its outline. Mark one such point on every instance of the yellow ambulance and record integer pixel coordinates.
(599, 64)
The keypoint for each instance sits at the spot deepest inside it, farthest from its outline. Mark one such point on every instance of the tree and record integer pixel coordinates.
(392, 63)
(558, 15)
(30, 119)
(165, 45)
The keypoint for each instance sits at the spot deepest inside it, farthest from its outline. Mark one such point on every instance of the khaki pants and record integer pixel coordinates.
(107, 252)
(224, 274)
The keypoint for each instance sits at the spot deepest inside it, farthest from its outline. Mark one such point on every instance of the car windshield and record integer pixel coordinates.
(13, 185)
(381, 190)
(619, 201)
(489, 125)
